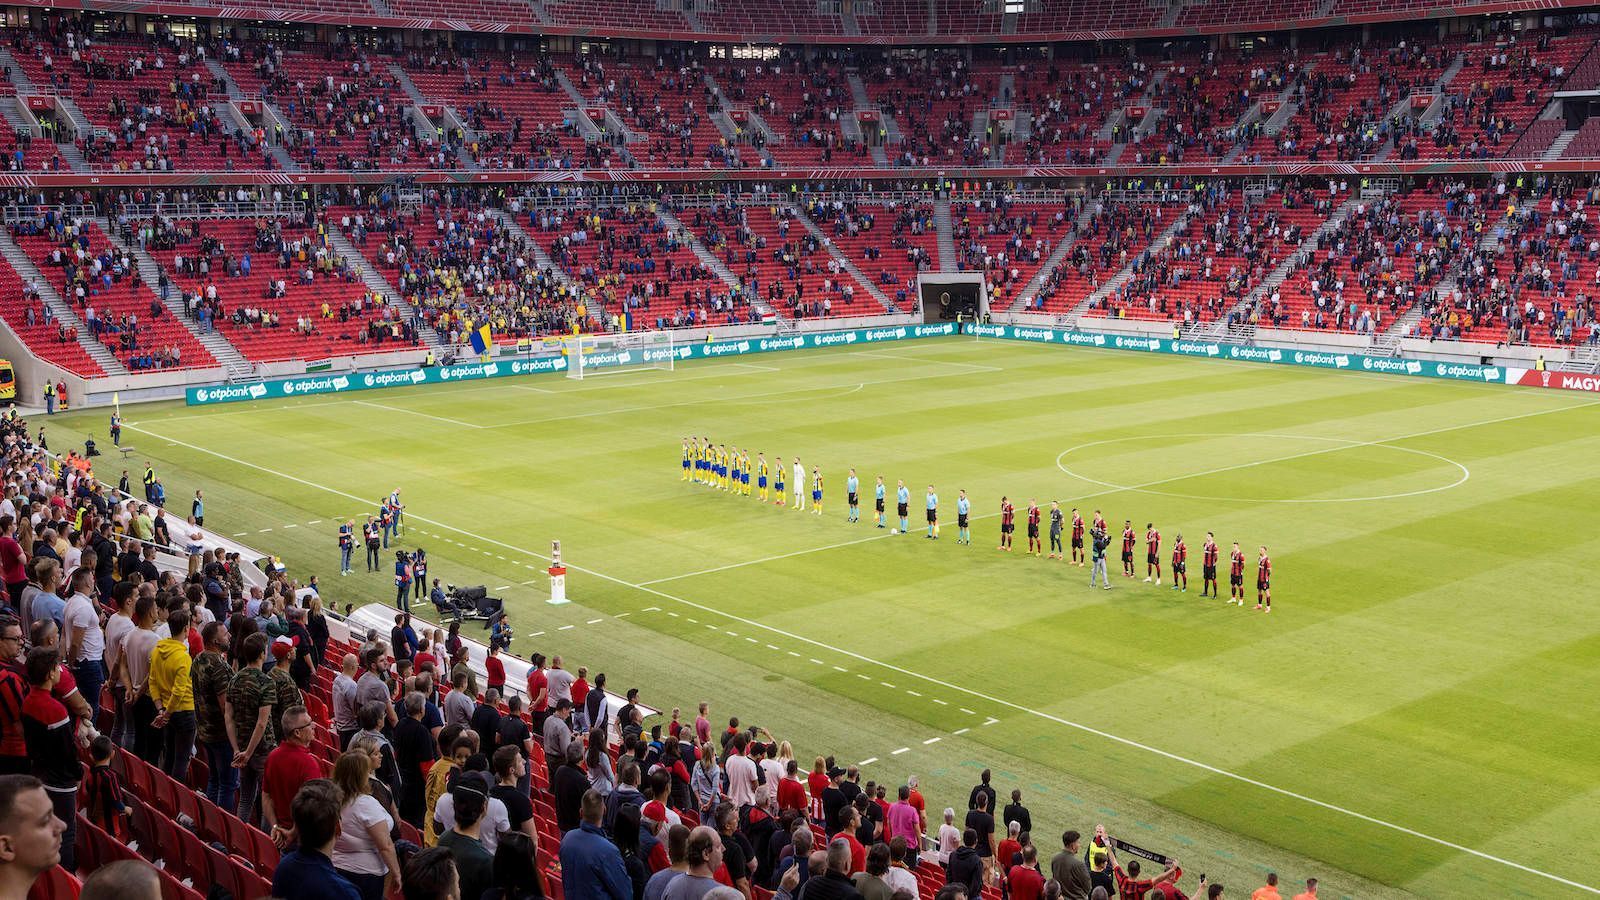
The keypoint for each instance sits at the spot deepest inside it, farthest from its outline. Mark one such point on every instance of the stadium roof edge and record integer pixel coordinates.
(300, 15)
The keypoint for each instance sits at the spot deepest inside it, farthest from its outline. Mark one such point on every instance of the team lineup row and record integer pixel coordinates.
(730, 469)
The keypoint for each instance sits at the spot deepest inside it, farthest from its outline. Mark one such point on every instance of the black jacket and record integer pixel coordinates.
(966, 867)
(831, 886)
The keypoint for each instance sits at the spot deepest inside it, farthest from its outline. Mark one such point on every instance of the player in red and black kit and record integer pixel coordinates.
(1035, 546)
(1208, 562)
(1128, 540)
(1152, 553)
(1263, 580)
(1236, 575)
(1008, 524)
(1078, 555)
(1180, 564)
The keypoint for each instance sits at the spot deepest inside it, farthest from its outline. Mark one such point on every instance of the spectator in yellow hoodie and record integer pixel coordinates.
(173, 692)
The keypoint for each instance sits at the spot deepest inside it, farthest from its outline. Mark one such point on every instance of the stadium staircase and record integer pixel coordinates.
(535, 249)
(847, 20)
(1388, 343)
(60, 308)
(1435, 111)
(1584, 359)
(949, 260)
(1559, 145)
(380, 8)
(1110, 285)
(452, 119)
(1219, 328)
(19, 78)
(712, 262)
(379, 285)
(226, 112)
(580, 114)
(725, 123)
(858, 94)
(12, 113)
(1056, 258)
(1273, 123)
(844, 261)
(150, 273)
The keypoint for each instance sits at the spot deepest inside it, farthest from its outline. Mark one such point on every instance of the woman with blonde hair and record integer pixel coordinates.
(816, 783)
(363, 853)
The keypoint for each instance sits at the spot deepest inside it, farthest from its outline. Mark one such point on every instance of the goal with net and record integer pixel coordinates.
(605, 354)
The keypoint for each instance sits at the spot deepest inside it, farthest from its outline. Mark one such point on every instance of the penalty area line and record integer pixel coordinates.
(971, 692)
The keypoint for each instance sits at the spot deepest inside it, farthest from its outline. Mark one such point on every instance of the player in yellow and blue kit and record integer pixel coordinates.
(851, 485)
(761, 475)
(744, 473)
(685, 476)
(816, 491)
(777, 483)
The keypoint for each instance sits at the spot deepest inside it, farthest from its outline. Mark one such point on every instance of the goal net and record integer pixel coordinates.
(605, 354)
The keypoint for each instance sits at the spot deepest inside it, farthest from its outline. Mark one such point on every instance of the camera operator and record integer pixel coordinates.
(1101, 540)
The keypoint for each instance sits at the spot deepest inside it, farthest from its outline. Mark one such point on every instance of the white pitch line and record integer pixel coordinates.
(291, 525)
(1049, 717)
(900, 751)
(932, 740)
(411, 412)
(594, 622)
(961, 731)
(938, 701)
(566, 627)
(868, 761)
(319, 522)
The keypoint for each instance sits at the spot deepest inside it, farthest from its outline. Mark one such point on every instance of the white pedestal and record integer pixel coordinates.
(558, 585)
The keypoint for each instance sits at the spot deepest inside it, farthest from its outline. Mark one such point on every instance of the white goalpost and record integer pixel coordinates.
(606, 354)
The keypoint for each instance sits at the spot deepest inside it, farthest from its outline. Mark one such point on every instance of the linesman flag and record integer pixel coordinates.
(481, 338)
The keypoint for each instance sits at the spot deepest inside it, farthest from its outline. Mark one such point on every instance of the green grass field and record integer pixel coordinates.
(1424, 681)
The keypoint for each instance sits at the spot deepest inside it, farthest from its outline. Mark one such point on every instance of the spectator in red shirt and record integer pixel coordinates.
(816, 782)
(791, 793)
(580, 698)
(496, 670)
(538, 693)
(1011, 847)
(1129, 885)
(702, 724)
(918, 804)
(13, 561)
(289, 766)
(1025, 880)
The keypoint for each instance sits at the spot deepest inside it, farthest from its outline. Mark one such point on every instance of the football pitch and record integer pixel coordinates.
(1417, 715)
